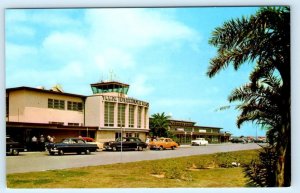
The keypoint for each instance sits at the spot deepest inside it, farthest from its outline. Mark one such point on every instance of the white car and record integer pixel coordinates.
(199, 141)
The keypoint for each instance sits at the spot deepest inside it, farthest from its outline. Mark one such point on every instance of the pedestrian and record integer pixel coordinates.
(50, 139)
(147, 141)
(42, 143)
(33, 143)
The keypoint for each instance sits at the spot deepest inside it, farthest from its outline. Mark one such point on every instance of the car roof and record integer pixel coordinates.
(87, 138)
(73, 138)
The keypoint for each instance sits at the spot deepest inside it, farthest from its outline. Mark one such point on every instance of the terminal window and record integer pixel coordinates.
(145, 117)
(121, 115)
(109, 114)
(75, 106)
(140, 117)
(131, 116)
(56, 104)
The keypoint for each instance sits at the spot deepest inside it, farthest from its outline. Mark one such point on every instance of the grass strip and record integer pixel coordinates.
(212, 170)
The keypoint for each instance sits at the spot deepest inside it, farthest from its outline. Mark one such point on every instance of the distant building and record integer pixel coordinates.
(185, 131)
(104, 115)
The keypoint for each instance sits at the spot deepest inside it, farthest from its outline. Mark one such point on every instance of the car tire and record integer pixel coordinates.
(60, 152)
(173, 147)
(161, 148)
(51, 153)
(15, 152)
(114, 148)
(140, 148)
(78, 152)
(87, 152)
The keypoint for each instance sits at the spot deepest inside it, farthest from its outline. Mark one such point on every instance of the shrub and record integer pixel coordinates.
(225, 159)
(156, 169)
(261, 172)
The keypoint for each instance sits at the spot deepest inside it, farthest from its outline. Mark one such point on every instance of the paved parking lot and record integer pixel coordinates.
(41, 161)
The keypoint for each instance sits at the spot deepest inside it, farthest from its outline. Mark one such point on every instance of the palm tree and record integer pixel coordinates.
(159, 124)
(263, 38)
(260, 105)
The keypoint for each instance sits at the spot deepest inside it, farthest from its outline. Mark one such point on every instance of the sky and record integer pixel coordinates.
(162, 53)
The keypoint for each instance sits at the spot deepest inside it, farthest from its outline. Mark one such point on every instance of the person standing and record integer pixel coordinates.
(147, 141)
(33, 143)
(42, 143)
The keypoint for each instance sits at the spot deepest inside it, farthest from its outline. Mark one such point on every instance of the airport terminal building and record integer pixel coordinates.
(103, 116)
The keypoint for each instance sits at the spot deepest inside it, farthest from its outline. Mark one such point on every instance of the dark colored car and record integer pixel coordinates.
(70, 145)
(127, 143)
(13, 147)
(238, 140)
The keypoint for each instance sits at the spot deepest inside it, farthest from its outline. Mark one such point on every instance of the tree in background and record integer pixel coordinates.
(159, 125)
(264, 39)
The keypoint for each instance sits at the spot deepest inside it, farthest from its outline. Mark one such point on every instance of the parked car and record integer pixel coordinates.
(126, 143)
(69, 145)
(238, 140)
(13, 147)
(163, 143)
(92, 141)
(199, 141)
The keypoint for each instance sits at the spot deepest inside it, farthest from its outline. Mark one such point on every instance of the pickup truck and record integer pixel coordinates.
(68, 145)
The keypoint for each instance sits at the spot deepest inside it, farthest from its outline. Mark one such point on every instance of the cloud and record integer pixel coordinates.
(111, 58)
(60, 44)
(140, 86)
(16, 31)
(169, 102)
(136, 28)
(113, 39)
(19, 51)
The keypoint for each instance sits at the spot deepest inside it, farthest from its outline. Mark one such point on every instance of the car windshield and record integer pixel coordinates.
(9, 140)
(127, 139)
(120, 139)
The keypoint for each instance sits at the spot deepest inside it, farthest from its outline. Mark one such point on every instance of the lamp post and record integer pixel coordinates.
(121, 142)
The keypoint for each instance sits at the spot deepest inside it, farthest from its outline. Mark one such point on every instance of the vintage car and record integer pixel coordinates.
(69, 145)
(199, 141)
(163, 143)
(125, 143)
(13, 147)
(92, 141)
(238, 140)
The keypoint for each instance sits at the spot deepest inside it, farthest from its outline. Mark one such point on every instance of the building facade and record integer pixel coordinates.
(107, 114)
(116, 114)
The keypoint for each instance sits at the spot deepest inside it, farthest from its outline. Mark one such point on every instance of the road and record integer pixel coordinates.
(41, 161)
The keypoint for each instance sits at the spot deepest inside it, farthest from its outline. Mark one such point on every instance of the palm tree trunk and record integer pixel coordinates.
(283, 166)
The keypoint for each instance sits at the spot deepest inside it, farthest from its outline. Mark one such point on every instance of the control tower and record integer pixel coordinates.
(110, 87)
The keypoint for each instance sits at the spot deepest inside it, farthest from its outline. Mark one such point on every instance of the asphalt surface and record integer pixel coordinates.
(41, 161)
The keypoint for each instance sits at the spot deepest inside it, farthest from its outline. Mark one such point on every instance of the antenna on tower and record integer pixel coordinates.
(111, 75)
